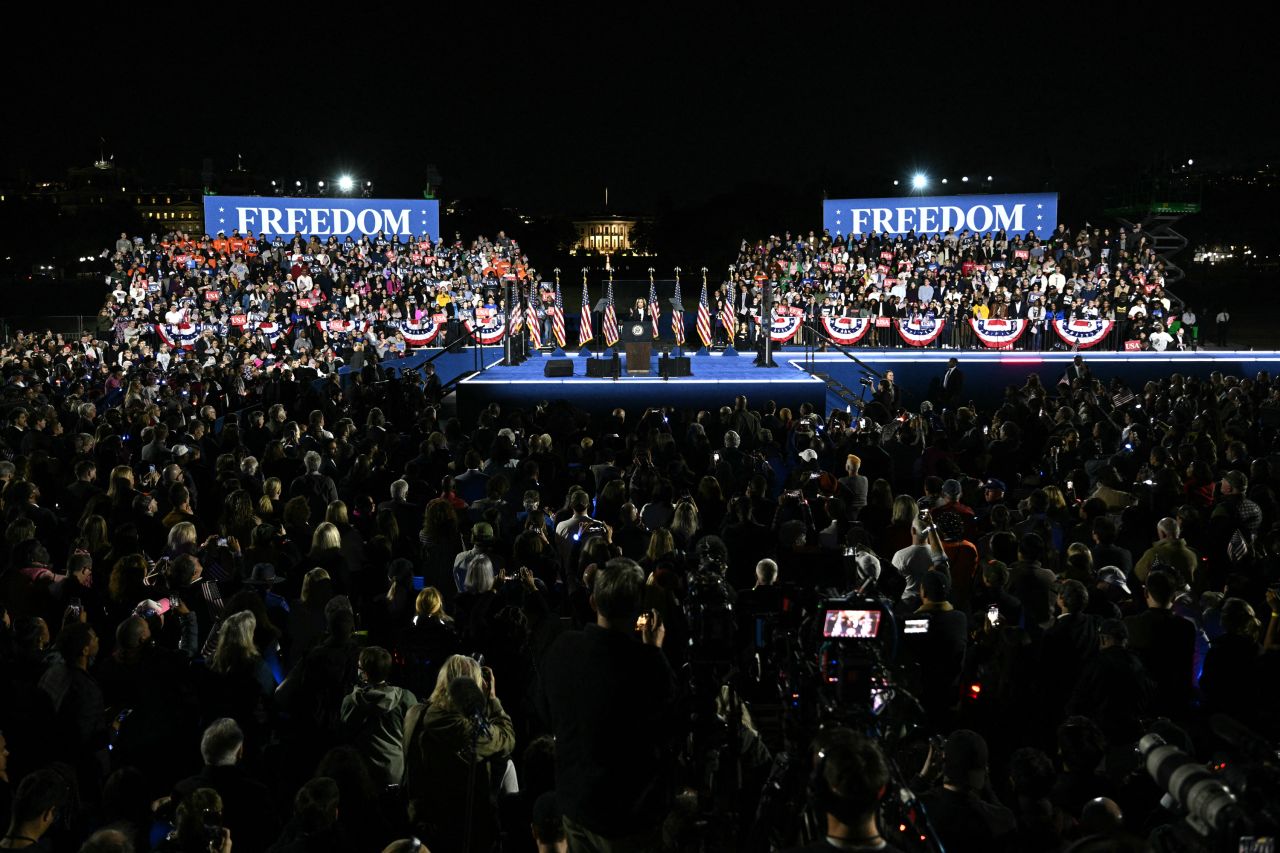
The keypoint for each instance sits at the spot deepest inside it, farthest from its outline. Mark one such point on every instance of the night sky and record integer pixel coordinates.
(665, 109)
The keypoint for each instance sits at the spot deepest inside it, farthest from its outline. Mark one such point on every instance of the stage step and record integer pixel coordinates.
(839, 395)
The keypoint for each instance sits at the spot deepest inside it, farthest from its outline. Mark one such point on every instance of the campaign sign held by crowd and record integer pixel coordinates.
(982, 214)
(322, 217)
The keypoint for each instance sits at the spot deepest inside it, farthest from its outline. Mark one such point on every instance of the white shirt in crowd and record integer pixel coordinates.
(1160, 340)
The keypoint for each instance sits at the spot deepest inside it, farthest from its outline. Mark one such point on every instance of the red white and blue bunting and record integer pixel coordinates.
(846, 331)
(487, 330)
(343, 327)
(418, 335)
(920, 331)
(179, 334)
(784, 327)
(1082, 333)
(273, 331)
(998, 332)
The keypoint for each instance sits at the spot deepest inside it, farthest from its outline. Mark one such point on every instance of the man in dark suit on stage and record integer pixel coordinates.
(952, 384)
(1077, 370)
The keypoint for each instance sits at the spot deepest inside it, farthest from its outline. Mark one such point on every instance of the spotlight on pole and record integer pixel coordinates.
(345, 183)
(919, 181)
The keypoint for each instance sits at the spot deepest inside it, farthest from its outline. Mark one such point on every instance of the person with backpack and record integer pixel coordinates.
(451, 745)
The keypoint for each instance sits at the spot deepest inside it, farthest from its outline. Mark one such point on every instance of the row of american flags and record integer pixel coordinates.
(609, 321)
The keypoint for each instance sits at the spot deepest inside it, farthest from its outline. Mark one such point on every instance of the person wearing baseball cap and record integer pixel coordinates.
(949, 502)
(482, 545)
(1233, 511)
(993, 491)
(1110, 593)
(962, 809)
(940, 649)
(1114, 689)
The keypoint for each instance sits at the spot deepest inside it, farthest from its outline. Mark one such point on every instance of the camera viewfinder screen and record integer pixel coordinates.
(851, 623)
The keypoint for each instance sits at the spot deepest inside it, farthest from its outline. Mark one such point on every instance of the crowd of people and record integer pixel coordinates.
(250, 610)
(247, 303)
(255, 301)
(1095, 273)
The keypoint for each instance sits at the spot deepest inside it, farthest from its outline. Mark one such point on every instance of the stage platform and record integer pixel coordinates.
(717, 379)
(988, 373)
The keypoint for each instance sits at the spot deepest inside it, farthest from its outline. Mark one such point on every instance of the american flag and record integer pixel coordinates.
(610, 322)
(585, 334)
(531, 315)
(655, 311)
(704, 318)
(557, 318)
(677, 317)
(728, 318)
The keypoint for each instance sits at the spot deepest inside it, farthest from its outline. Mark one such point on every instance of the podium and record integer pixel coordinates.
(638, 353)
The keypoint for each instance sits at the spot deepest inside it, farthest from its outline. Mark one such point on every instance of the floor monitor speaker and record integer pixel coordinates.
(673, 367)
(604, 368)
(559, 367)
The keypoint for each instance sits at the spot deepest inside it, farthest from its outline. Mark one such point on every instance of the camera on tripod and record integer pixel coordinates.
(852, 678)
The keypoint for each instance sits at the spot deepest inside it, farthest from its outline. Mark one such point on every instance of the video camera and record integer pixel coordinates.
(708, 605)
(858, 636)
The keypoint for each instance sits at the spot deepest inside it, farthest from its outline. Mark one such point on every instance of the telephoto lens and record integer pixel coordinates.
(1206, 800)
